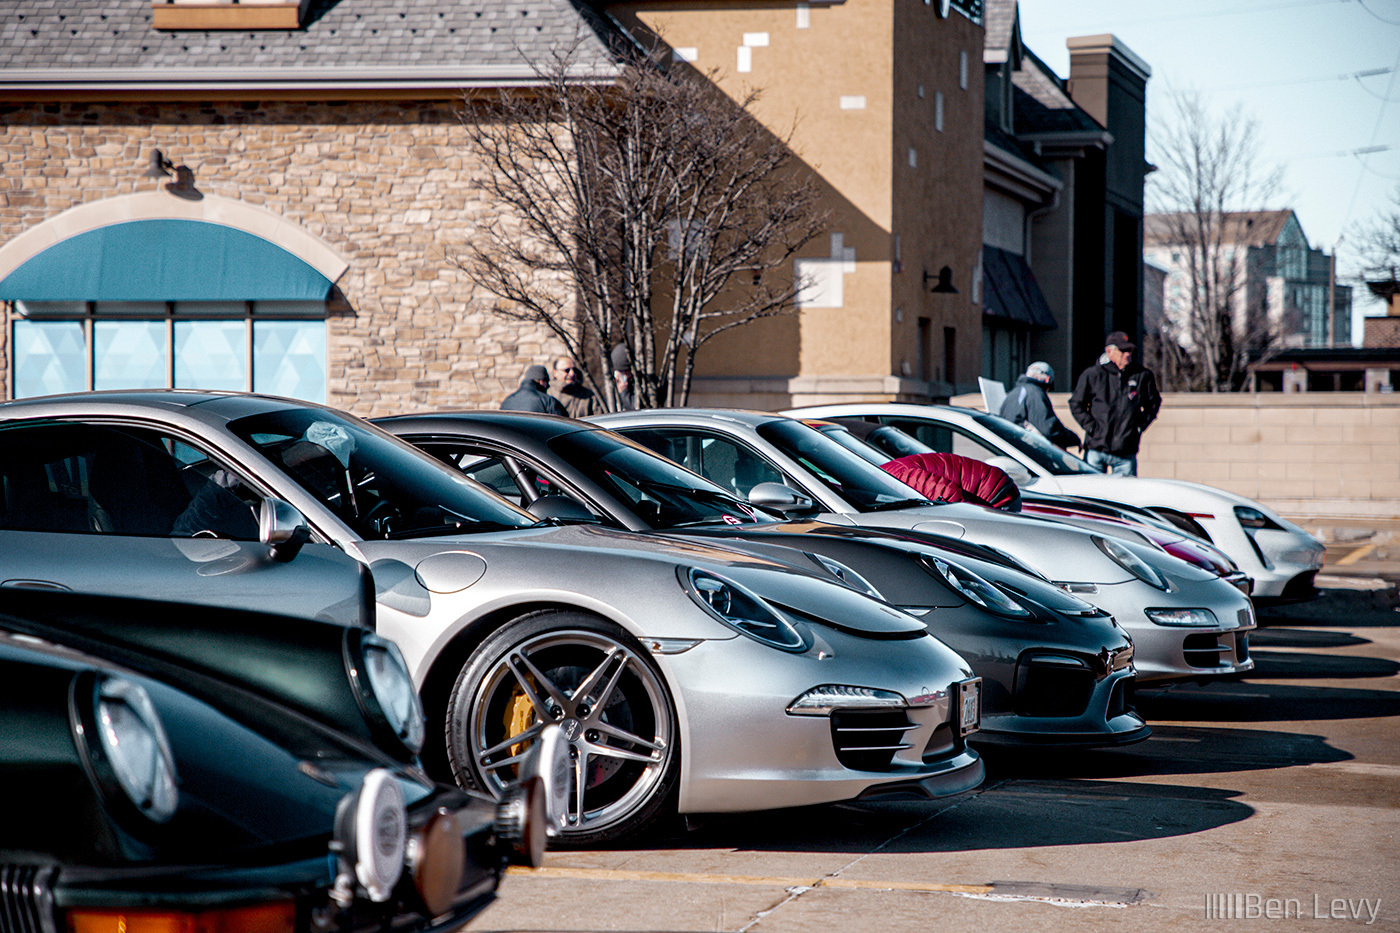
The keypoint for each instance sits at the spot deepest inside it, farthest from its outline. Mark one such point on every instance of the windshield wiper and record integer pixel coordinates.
(900, 504)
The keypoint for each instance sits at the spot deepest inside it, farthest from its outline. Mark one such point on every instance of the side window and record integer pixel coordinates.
(721, 460)
(490, 470)
(116, 480)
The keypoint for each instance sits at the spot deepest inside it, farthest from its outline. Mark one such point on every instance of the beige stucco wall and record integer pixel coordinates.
(387, 184)
(1328, 455)
(843, 80)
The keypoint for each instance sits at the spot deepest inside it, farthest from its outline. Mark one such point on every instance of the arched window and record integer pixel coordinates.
(177, 302)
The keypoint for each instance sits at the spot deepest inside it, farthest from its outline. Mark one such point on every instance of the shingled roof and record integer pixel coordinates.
(1246, 228)
(52, 45)
(1042, 105)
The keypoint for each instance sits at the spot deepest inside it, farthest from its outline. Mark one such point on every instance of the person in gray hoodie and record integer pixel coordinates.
(1028, 404)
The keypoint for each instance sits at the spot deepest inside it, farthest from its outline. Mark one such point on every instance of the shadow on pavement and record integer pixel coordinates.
(1338, 609)
(1255, 702)
(1170, 750)
(1289, 665)
(1007, 815)
(1303, 638)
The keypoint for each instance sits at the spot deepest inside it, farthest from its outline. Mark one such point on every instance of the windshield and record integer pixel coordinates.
(1034, 445)
(659, 492)
(854, 444)
(379, 486)
(857, 480)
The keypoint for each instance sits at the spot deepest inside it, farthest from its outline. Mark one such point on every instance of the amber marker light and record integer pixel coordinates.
(259, 918)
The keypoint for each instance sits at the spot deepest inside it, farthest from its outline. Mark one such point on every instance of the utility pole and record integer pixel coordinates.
(1332, 294)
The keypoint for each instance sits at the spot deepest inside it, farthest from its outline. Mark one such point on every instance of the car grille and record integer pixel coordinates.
(866, 740)
(1225, 649)
(26, 899)
(1303, 586)
(1118, 699)
(1053, 686)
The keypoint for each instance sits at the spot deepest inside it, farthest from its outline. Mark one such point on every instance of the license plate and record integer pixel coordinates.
(969, 705)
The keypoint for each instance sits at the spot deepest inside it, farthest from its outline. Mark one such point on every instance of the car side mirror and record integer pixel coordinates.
(1013, 468)
(560, 508)
(780, 498)
(283, 528)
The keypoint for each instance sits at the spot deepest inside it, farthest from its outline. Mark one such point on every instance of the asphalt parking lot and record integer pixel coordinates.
(1272, 802)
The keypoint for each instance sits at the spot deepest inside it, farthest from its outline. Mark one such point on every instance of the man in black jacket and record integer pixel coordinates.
(533, 394)
(1114, 402)
(1028, 404)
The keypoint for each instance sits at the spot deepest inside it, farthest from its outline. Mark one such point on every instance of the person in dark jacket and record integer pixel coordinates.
(1114, 402)
(1028, 405)
(533, 394)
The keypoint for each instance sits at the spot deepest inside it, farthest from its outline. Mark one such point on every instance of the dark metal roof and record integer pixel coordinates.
(58, 43)
(1043, 105)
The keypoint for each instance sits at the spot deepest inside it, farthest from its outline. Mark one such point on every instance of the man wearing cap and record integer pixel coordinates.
(1028, 405)
(533, 394)
(1114, 402)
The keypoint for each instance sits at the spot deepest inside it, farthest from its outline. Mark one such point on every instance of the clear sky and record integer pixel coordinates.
(1291, 64)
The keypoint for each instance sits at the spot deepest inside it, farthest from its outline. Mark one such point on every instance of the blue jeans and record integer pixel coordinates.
(1112, 463)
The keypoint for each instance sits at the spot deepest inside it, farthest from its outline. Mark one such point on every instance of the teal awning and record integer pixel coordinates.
(165, 260)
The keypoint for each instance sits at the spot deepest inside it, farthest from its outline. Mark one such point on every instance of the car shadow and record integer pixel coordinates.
(1008, 814)
(1303, 638)
(1170, 750)
(1246, 701)
(1292, 665)
(1335, 608)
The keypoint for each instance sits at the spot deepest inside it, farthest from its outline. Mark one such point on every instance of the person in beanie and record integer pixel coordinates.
(533, 394)
(622, 379)
(1028, 404)
(1114, 402)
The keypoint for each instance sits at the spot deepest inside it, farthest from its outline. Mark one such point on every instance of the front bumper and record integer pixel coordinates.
(1283, 563)
(1166, 653)
(744, 751)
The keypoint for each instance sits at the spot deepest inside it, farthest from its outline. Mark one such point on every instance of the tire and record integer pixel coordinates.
(624, 745)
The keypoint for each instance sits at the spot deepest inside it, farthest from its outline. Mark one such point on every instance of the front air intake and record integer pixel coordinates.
(867, 740)
(26, 899)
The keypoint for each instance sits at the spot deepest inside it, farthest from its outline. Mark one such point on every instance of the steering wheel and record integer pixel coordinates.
(381, 517)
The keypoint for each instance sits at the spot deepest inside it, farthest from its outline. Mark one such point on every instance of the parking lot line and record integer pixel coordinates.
(617, 874)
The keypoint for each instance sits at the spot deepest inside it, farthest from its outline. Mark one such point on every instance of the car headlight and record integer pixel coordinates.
(847, 575)
(1193, 618)
(131, 743)
(385, 688)
(740, 609)
(1253, 518)
(1123, 556)
(979, 591)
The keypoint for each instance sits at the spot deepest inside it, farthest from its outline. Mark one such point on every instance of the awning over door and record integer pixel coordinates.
(165, 260)
(1010, 291)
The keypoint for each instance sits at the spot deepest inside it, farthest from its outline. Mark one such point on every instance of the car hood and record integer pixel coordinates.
(241, 787)
(1183, 494)
(1062, 553)
(603, 564)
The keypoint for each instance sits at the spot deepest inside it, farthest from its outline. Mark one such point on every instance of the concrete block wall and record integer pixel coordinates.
(1328, 455)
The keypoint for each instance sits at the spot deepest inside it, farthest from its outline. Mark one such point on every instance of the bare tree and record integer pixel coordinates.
(1209, 169)
(647, 210)
(1378, 249)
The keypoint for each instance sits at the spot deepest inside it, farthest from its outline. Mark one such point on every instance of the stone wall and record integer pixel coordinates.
(386, 183)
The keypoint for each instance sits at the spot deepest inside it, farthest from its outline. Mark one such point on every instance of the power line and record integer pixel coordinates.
(1376, 132)
(1393, 22)
(1214, 14)
(1284, 82)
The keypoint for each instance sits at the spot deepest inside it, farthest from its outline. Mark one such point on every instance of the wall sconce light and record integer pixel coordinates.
(942, 283)
(182, 186)
(160, 166)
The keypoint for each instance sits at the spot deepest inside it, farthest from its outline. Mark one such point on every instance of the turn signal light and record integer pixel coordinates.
(261, 918)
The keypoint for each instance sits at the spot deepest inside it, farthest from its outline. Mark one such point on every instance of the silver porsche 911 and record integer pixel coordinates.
(685, 677)
(1186, 623)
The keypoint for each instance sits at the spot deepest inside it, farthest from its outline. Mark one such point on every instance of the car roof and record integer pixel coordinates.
(688, 416)
(489, 423)
(848, 409)
(133, 402)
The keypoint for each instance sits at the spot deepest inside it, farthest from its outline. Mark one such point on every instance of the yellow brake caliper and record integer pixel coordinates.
(519, 716)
